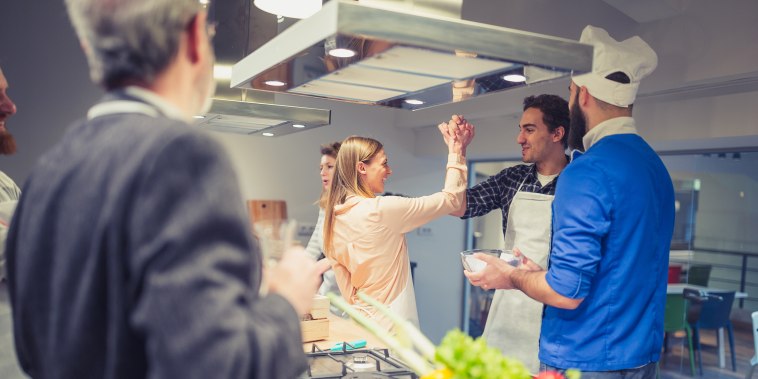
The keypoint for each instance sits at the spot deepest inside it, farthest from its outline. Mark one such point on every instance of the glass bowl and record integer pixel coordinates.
(474, 265)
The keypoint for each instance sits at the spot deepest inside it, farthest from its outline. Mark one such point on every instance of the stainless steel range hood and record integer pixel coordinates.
(403, 59)
(242, 111)
(261, 119)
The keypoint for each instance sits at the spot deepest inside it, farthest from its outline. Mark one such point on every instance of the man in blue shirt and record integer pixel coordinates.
(613, 216)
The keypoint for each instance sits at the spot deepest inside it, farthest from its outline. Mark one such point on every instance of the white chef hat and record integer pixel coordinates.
(633, 57)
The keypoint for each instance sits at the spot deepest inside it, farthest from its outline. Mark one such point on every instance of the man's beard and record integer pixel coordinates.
(7, 143)
(578, 127)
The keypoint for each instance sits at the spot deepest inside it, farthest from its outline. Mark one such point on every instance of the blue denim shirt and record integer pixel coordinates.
(613, 217)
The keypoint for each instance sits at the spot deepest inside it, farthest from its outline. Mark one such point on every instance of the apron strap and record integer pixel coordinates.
(522, 183)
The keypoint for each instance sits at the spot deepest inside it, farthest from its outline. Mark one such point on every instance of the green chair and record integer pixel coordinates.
(674, 320)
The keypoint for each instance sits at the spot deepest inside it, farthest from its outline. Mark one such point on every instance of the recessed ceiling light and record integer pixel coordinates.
(515, 78)
(414, 102)
(299, 126)
(289, 8)
(267, 134)
(275, 83)
(341, 53)
(199, 116)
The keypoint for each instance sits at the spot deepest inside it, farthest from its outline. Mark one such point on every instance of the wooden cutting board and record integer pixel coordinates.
(272, 212)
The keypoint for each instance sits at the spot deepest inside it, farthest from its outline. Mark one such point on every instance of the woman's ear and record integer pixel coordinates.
(361, 167)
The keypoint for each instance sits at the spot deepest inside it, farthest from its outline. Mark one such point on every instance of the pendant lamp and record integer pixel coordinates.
(289, 8)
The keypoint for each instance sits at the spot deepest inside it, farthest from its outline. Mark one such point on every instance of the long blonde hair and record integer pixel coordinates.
(346, 180)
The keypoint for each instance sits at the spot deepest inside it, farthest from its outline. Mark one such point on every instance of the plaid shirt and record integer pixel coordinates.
(498, 191)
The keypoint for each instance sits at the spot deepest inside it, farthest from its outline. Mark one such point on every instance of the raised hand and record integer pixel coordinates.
(448, 134)
(463, 130)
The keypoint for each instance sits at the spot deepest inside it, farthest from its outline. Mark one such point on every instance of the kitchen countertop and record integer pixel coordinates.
(344, 330)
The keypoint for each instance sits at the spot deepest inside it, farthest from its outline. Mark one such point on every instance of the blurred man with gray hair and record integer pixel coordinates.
(130, 254)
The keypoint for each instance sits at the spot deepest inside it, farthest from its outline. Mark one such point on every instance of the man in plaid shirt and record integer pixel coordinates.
(545, 119)
(524, 194)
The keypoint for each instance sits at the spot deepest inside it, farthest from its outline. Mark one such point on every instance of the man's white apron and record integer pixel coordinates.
(514, 320)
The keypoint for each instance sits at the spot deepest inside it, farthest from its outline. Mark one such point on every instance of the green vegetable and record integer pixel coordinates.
(473, 359)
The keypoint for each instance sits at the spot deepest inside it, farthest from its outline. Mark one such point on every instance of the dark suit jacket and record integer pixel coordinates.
(130, 256)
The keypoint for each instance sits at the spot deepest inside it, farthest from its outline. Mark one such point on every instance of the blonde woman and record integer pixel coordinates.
(364, 234)
(315, 244)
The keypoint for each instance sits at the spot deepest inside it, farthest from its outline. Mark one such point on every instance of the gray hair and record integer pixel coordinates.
(129, 41)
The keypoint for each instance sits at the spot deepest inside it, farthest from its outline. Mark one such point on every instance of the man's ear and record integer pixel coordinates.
(195, 33)
(584, 96)
(558, 133)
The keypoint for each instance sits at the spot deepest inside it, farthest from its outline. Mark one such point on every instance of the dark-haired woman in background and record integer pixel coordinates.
(315, 246)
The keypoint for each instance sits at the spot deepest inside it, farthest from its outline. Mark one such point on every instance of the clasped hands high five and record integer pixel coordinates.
(457, 133)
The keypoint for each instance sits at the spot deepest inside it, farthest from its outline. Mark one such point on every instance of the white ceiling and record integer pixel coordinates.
(650, 10)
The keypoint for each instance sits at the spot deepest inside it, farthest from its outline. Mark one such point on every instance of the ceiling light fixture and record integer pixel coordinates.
(414, 102)
(267, 134)
(514, 78)
(299, 126)
(275, 83)
(289, 8)
(342, 53)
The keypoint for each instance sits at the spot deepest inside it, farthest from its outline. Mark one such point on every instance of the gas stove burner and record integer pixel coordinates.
(367, 375)
(357, 364)
(361, 363)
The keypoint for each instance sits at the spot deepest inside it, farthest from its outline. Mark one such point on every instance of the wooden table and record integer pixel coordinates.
(344, 330)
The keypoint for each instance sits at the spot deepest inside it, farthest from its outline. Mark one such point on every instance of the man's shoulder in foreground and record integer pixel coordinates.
(120, 138)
